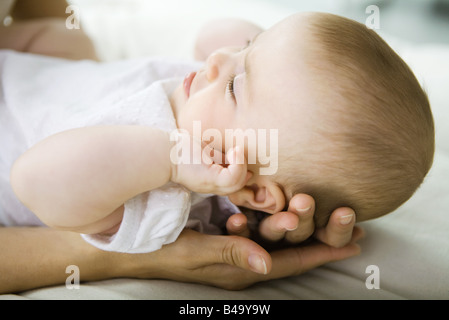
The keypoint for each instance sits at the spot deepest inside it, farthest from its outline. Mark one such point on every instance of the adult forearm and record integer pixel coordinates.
(33, 257)
(79, 176)
(30, 9)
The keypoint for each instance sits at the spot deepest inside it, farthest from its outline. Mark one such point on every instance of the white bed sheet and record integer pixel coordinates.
(410, 246)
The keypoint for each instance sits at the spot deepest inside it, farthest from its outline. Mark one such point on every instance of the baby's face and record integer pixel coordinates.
(262, 86)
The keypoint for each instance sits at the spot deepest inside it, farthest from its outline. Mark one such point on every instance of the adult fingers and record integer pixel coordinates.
(225, 261)
(275, 227)
(237, 225)
(237, 251)
(295, 225)
(304, 206)
(357, 233)
(294, 261)
(339, 229)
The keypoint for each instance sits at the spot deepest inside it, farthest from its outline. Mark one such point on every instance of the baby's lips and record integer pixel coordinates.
(188, 82)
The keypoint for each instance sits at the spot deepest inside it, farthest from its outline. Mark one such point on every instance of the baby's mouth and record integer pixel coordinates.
(188, 83)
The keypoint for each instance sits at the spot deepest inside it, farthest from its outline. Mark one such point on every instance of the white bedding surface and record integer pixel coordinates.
(410, 246)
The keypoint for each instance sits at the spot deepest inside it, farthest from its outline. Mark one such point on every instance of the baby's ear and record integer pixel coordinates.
(260, 194)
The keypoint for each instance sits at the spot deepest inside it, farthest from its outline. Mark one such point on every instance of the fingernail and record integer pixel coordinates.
(303, 210)
(257, 263)
(344, 220)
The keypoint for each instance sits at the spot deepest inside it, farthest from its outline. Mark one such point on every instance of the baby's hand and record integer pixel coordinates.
(209, 174)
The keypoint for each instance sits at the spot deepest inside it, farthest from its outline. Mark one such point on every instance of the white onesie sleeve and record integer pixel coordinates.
(150, 220)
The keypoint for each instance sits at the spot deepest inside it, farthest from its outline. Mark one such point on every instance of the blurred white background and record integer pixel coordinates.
(414, 20)
(128, 28)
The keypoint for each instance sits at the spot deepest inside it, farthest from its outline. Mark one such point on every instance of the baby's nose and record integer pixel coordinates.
(214, 63)
(211, 73)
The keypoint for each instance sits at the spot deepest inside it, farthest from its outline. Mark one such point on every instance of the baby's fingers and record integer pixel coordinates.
(235, 175)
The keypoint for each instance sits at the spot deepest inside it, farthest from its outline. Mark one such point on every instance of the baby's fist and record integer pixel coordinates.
(211, 176)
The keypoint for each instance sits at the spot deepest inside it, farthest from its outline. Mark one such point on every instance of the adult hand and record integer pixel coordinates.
(297, 225)
(222, 261)
(233, 262)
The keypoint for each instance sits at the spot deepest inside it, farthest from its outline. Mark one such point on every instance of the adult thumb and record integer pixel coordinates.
(241, 252)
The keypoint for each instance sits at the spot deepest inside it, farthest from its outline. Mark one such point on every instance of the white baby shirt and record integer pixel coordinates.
(41, 96)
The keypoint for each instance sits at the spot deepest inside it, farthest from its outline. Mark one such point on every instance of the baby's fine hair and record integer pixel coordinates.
(377, 119)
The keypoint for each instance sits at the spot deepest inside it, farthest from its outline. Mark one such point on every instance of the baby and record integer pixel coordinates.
(354, 129)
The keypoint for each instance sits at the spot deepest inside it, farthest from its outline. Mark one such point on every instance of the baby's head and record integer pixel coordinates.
(372, 137)
(354, 126)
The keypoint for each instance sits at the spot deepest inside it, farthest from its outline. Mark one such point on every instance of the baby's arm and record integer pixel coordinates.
(74, 179)
(79, 179)
(223, 33)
